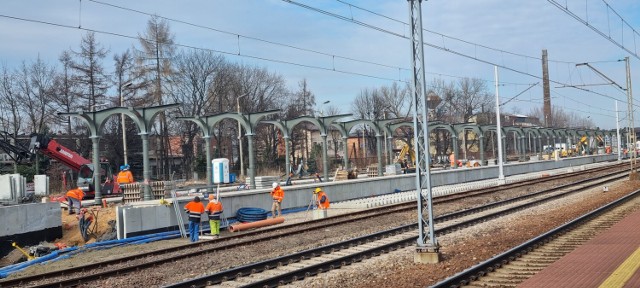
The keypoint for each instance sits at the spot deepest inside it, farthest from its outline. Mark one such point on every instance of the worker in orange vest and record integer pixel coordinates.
(125, 176)
(278, 195)
(194, 209)
(74, 198)
(322, 201)
(452, 159)
(214, 210)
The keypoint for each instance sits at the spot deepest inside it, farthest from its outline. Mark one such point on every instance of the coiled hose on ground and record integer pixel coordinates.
(250, 214)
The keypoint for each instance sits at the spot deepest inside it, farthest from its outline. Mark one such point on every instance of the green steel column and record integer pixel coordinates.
(504, 148)
(252, 162)
(95, 140)
(325, 162)
(454, 140)
(146, 172)
(345, 158)
(524, 148)
(286, 157)
(482, 161)
(389, 144)
(207, 141)
(379, 153)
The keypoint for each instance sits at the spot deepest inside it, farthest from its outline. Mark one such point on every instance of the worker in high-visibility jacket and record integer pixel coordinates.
(322, 200)
(214, 210)
(125, 176)
(194, 209)
(278, 195)
(452, 159)
(74, 198)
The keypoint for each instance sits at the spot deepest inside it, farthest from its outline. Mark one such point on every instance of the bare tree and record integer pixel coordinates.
(264, 91)
(36, 87)
(563, 119)
(90, 75)
(10, 115)
(192, 85)
(396, 101)
(65, 97)
(157, 51)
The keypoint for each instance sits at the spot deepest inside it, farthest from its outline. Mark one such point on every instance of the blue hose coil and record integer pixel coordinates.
(250, 214)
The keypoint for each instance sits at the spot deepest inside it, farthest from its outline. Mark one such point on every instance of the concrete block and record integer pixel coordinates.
(20, 186)
(31, 217)
(6, 187)
(41, 185)
(148, 219)
(426, 257)
(319, 214)
(10, 214)
(120, 222)
(133, 221)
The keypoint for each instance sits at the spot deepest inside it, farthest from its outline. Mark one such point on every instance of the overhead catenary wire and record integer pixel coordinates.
(298, 64)
(492, 63)
(565, 9)
(450, 37)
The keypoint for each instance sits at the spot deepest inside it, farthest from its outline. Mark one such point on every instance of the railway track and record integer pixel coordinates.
(522, 262)
(67, 278)
(290, 268)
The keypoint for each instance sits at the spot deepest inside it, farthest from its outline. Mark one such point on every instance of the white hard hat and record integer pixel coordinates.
(274, 185)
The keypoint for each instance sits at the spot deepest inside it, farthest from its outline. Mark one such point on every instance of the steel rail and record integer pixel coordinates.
(473, 273)
(203, 249)
(298, 274)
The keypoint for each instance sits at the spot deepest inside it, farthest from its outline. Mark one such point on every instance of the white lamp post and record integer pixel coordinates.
(240, 135)
(124, 127)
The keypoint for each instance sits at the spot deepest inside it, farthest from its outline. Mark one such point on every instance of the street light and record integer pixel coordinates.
(124, 127)
(322, 108)
(93, 107)
(240, 135)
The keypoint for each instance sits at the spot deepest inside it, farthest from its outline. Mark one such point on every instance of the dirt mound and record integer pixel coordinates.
(71, 235)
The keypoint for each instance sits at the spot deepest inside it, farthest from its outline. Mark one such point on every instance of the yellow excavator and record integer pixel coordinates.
(581, 148)
(403, 153)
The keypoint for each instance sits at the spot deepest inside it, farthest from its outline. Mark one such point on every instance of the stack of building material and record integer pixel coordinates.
(263, 182)
(13, 188)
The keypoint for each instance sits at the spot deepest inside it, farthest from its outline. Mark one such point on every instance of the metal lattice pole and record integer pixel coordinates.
(426, 241)
(632, 129)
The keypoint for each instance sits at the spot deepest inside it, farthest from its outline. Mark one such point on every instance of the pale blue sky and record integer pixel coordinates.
(522, 27)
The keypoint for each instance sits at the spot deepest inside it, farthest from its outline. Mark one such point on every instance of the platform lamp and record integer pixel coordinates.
(240, 136)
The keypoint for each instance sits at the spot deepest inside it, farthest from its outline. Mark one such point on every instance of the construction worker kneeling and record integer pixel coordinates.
(322, 202)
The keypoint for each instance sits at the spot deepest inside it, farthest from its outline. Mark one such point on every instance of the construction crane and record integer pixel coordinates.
(82, 166)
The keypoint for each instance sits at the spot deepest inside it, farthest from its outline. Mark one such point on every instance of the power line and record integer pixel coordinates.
(247, 37)
(449, 37)
(566, 10)
(281, 44)
(204, 49)
(281, 61)
(436, 46)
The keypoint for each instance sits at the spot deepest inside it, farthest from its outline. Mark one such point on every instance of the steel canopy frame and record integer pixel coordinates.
(142, 117)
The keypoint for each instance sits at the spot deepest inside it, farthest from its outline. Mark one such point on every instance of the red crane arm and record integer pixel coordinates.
(54, 150)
